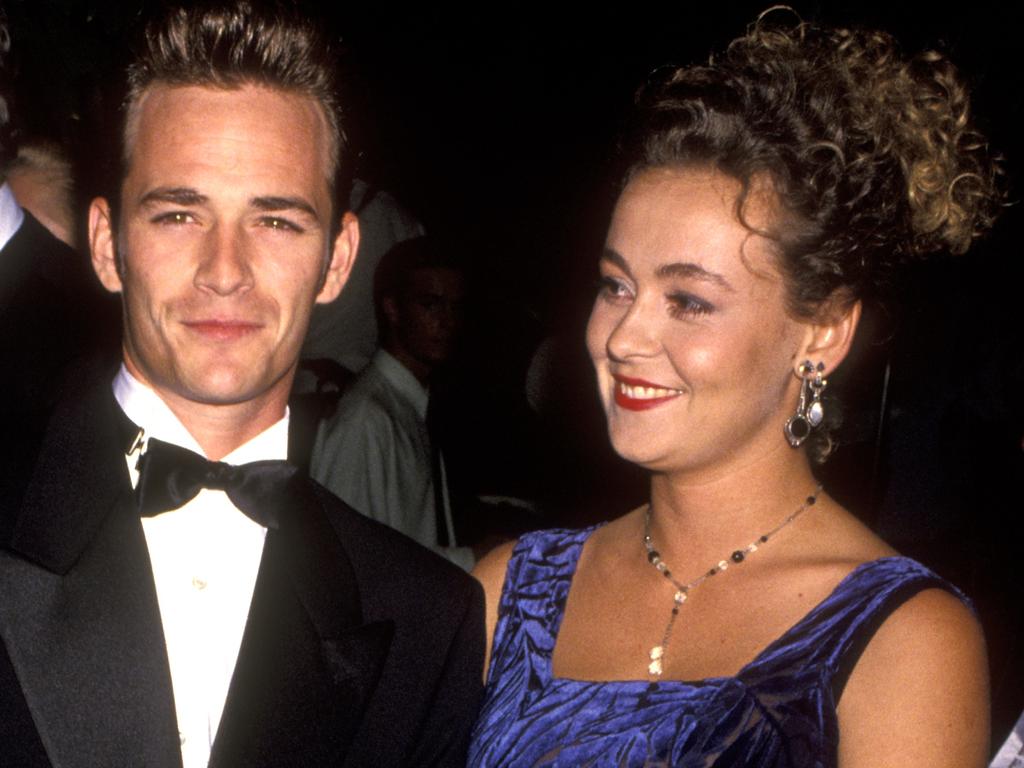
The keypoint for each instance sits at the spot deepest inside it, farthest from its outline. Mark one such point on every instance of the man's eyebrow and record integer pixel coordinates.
(174, 195)
(274, 203)
(693, 271)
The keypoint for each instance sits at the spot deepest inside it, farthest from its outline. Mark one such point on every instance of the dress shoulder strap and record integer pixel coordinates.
(832, 636)
(533, 597)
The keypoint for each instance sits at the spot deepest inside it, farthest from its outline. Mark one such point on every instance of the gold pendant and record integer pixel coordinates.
(654, 668)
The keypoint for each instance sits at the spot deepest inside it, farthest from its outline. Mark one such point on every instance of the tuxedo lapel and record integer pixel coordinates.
(79, 617)
(81, 623)
(307, 664)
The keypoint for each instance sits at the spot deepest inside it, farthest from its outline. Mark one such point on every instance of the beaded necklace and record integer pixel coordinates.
(657, 653)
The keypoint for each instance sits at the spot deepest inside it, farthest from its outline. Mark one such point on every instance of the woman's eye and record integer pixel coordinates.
(613, 288)
(685, 304)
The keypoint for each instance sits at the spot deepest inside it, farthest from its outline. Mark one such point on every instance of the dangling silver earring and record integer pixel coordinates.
(810, 411)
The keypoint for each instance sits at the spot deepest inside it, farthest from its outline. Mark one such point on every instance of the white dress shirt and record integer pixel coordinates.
(11, 215)
(375, 455)
(205, 557)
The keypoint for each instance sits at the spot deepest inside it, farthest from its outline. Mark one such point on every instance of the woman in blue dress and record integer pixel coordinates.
(742, 616)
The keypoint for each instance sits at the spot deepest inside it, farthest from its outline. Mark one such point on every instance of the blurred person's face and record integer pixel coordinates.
(425, 317)
(223, 244)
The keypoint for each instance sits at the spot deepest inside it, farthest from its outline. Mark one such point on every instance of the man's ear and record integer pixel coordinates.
(343, 256)
(829, 336)
(103, 245)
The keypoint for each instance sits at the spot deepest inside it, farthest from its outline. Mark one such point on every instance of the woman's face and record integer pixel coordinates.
(694, 349)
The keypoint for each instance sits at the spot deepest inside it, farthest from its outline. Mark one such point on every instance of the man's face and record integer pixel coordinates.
(223, 241)
(427, 314)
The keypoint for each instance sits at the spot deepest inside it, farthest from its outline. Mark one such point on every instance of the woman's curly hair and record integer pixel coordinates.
(873, 156)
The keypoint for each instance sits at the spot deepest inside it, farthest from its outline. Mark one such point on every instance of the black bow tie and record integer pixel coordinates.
(171, 476)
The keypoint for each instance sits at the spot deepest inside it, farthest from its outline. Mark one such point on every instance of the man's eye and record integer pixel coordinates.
(282, 225)
(174, 217)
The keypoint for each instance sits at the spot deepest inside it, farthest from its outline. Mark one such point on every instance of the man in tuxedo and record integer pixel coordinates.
(172, 592)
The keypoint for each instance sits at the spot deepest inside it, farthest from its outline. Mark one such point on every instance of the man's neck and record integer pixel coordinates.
(220, 428)
(417, 368)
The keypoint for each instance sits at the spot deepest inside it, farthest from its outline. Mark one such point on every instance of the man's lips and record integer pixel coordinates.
(640, 395)
(222, 330)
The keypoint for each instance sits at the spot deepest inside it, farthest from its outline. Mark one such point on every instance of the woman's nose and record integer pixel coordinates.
(634, 334)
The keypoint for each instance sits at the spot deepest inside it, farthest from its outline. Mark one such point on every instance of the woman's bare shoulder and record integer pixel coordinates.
(490, 569)
(919, 692)
(929, 631)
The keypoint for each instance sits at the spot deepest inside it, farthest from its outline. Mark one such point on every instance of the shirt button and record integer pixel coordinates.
(198, 583)
(181, 739)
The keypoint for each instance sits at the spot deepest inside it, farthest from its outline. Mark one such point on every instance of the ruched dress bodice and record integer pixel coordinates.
(779, 710)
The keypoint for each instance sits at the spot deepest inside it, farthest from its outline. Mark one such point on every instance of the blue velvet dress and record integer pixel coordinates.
(779, 710)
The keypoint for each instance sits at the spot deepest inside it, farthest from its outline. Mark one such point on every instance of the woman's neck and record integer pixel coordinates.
(704, 515)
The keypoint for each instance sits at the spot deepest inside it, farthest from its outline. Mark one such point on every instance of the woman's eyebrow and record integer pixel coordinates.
(693, 271)
(610, 254)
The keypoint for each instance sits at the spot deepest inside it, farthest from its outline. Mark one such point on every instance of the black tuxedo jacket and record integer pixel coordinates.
(52, 311)
(361, 648)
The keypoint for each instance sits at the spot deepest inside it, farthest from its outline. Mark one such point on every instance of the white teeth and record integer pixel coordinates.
(646, 393)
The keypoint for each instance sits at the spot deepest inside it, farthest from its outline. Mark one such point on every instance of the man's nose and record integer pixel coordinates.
(225, 265)
(450, 314)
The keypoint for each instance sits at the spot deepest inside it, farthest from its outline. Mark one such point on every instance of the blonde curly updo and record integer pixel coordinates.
(873, 156)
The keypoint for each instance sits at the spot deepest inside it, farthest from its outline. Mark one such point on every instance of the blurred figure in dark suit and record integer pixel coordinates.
(52, 310)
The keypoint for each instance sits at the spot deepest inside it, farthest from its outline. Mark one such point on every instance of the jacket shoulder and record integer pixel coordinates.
(386, 561)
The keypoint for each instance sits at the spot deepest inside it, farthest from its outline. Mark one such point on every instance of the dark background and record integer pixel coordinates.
(494, 127)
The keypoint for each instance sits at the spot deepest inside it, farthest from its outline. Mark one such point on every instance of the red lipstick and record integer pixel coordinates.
(630, 393)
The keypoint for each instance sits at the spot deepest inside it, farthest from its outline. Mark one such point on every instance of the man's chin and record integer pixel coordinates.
(228, 390)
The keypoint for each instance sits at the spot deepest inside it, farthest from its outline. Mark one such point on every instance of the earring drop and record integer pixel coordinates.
(810, 411)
